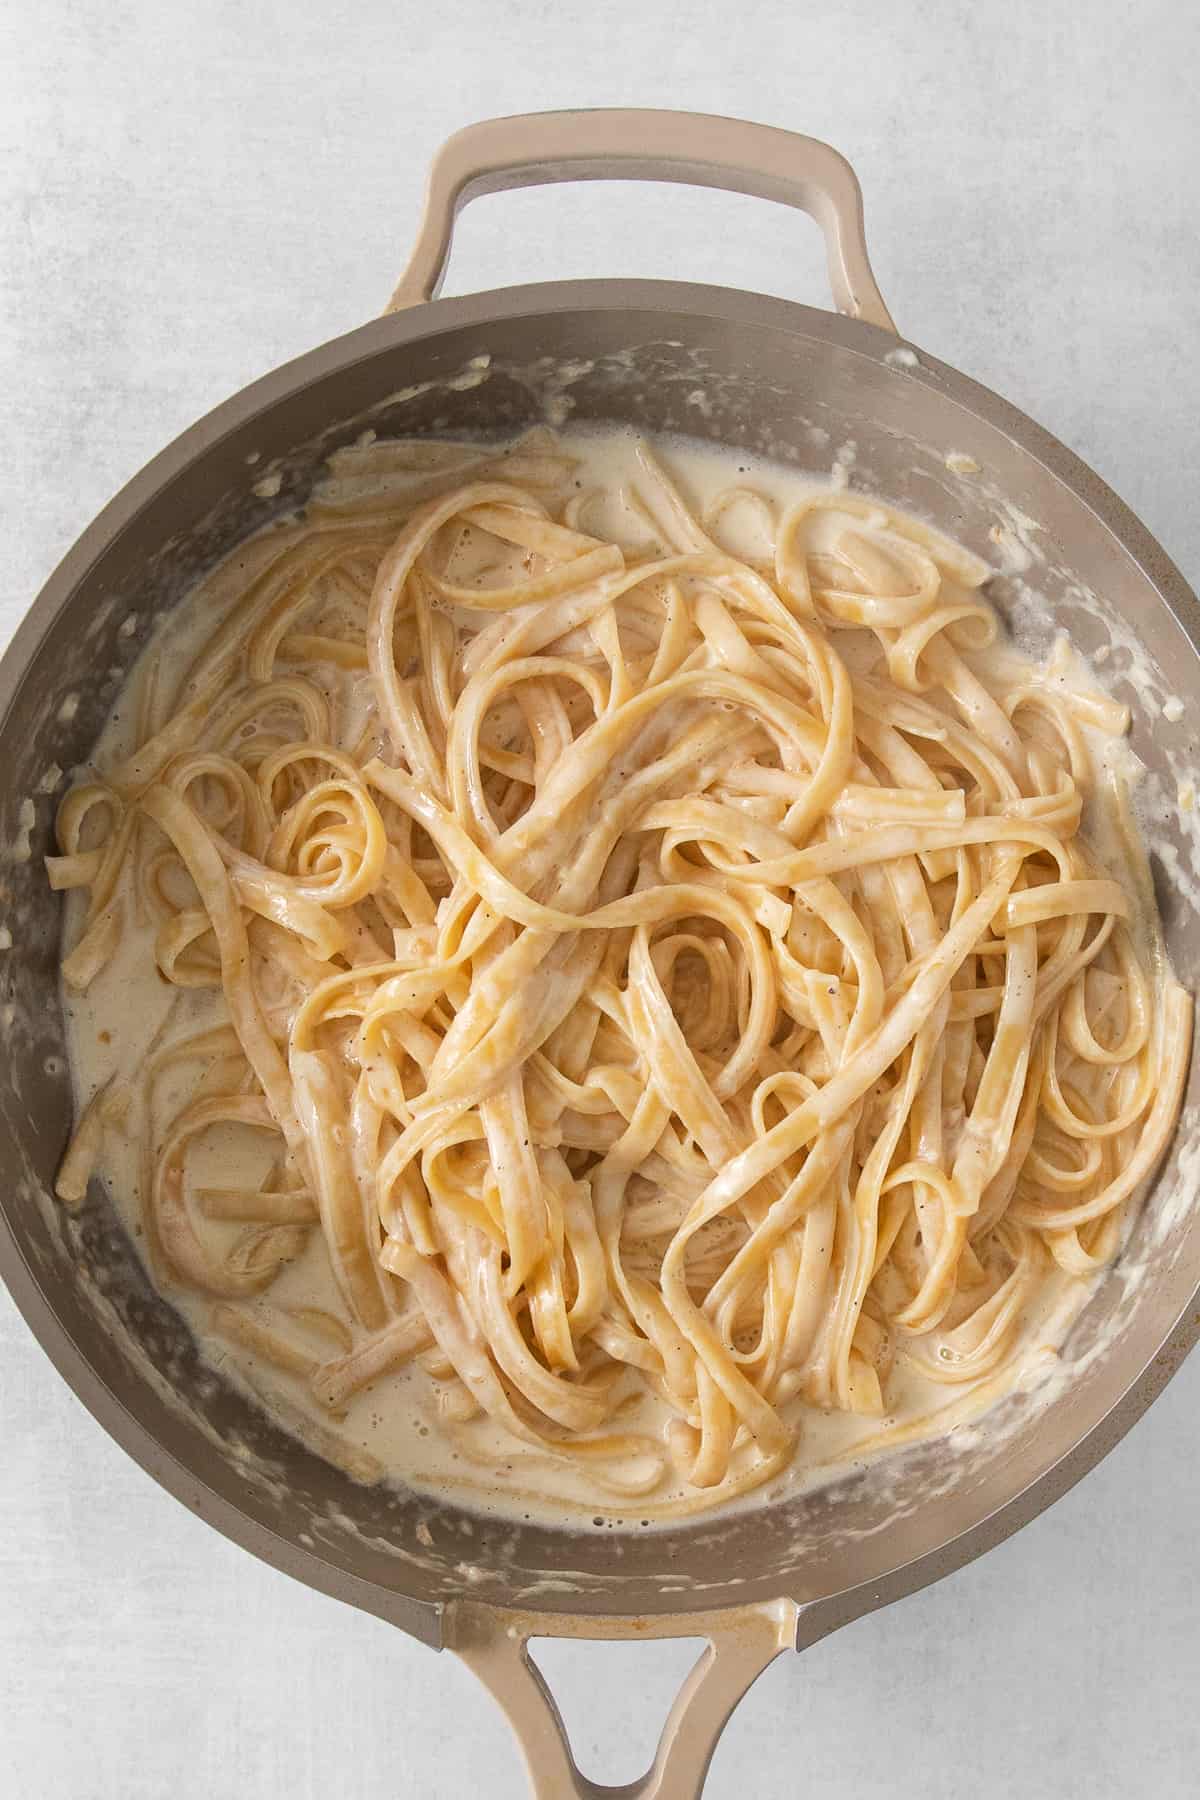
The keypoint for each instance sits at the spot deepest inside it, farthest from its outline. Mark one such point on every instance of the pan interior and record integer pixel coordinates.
(761, 376)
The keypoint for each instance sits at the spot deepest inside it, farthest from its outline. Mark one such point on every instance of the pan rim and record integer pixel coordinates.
(744, 310)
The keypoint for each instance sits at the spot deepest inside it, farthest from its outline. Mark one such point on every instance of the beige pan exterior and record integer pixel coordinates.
(773, 376)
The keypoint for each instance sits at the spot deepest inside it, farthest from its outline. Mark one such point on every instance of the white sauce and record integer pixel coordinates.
(110, 1027)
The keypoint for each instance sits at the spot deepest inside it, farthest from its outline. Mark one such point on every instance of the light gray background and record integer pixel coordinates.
(193, 193)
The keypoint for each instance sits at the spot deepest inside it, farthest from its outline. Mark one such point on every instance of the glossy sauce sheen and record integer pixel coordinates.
(395, 1422)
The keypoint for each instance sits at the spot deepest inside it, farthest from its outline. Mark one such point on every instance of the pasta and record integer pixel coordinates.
(656, 948)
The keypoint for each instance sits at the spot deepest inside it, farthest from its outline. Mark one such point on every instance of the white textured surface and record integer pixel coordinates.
(193, 193)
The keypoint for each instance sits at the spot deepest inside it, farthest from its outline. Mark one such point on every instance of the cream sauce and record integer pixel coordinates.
(393, 1426)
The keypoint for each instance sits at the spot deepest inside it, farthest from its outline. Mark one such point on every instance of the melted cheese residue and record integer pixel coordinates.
(587, 983)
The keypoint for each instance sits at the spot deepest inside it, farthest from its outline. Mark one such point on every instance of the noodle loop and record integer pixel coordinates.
(663, 974)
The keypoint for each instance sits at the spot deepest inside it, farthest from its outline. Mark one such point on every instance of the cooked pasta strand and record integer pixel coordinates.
(672, 983)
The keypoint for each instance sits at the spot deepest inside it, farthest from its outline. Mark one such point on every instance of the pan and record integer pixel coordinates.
(764, 375)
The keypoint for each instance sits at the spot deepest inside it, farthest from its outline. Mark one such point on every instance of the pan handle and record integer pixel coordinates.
(741, 1642)
(611, 144)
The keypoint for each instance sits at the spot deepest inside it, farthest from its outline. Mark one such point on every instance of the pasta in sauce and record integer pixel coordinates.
(651, 948)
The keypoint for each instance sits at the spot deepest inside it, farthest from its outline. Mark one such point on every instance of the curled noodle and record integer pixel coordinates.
(656, 973)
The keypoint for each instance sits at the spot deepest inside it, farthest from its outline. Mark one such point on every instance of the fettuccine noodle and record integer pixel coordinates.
(658, 957)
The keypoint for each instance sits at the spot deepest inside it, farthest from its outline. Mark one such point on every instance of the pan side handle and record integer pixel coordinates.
(615, 144)
(742, 1640)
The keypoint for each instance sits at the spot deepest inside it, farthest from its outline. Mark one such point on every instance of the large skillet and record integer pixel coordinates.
(743, 370)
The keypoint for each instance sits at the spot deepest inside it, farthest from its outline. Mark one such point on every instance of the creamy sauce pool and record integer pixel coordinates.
(112, 1027)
